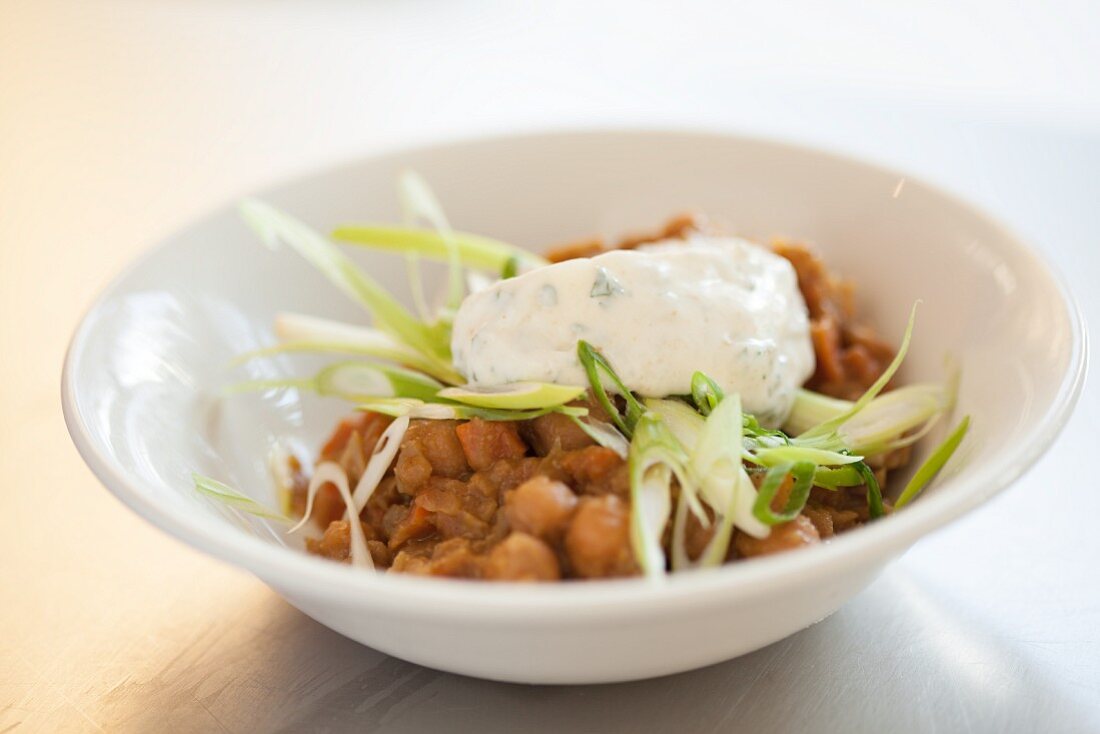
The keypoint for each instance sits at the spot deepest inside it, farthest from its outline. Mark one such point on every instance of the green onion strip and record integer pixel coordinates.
(802, 474)
(933, 464)
(596, 367)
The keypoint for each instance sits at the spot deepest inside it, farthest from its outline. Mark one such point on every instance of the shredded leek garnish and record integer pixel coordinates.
(416, 287)
(419, 202)
(679, 560)
(329, 472)
(724, 484)
(836, 477)
(716, 455)
(354, 382)
(281, 471)
(233, 498)
(455, 411)
(604, 434)
(513, 396)
(301, 333)
(655, 457)
(475, 251)
(385, 451)
(763, 436)
(884, 423)
(685, 423)
(778, 455)
(274, 226)
(397, 407)
(825, 433)
(685, 427)
(933, 464)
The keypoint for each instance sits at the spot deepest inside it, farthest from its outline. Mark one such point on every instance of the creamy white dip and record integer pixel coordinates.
(725, 306)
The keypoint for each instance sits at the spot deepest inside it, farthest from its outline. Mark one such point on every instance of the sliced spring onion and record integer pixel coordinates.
(396, 407)
(510, 269)
(293, 327)
(416, 288)
(887, 418)
(811, 408)
(491, 414)
(754, 430)
(274, 226)
(596, 367)
(419, 202)
(323, 473)
(910, 438)
(683, 426)
(278, 466)
(826, 431)
(724, 483)
(475, 251)
(883, 424)
(654, 456)
(329, 472)
(705, 393)
(933, 464)
(383, 455)
(716, 454)
(513, 396)
(744, 495)
(802, 474)
(605, 434)
(778, 455)
(716, 459)
(874, 492)
(682, 420)
(679, 560)
(836, 477)
(233, 498)
(355, 382)
(301, 333)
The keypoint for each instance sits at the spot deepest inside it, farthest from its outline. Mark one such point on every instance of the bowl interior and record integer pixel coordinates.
(146, 370)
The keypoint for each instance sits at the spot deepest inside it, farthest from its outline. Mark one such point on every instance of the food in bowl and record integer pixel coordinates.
(670, 402)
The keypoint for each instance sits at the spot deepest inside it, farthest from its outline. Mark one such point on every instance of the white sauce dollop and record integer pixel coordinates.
(725, 306)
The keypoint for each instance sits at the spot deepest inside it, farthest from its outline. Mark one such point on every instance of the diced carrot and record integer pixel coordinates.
(487, 442)
(369, 425)
(417, 524)
(328, 506)
(826, 338)
(572, 250)
(592, 464)
(860, 365)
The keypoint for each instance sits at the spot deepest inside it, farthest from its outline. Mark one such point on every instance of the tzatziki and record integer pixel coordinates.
(723, 306)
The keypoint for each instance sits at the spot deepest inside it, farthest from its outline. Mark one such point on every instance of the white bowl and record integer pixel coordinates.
(142, 379)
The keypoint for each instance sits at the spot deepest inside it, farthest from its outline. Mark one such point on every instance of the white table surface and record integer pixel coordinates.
(120, 121)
